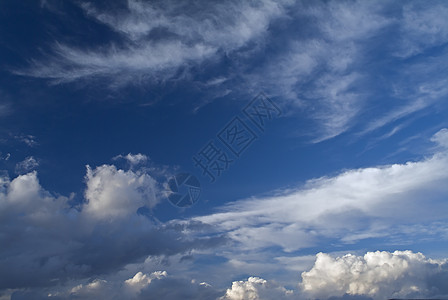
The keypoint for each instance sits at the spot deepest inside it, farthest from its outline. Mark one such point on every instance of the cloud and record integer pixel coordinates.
(374, 275)
(113, 193)
(256, 288)
(441, 138)
(319, 68)
(156, 285)
(109, 236)
(395, 115)
(46, 241)
(423, 27)
(141, 280)
(316, 58)
(324, 71)
(91, 290)
(133, 159)
(380, 275)
(27, 165)
(27, 139)
(157, 39)
(354, 205)
(179, 287)
(421, 86)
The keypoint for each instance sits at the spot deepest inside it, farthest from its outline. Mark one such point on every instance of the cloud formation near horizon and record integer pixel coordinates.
(355, 205)
(39, 242)
(379, 275)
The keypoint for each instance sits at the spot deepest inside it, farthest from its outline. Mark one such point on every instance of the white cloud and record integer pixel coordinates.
(441, 138)
(27, 165)
(24, 195)
(141, 280)
(423, 26)
(227, 26)
(338, 45)
(165, 36)
(150, 59)
(156, 285)
(422, 85)
(133, 159)
(98, 288)
(44, 237)
(380, 275)
(28, 139)
(113, 193)
(322, 67)
(395, 114)
(256, 288)
(339, 105)
(354, 205)
(94, 285)
(317, 73)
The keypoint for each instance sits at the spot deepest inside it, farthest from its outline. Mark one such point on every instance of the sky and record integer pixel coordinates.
(223, 149)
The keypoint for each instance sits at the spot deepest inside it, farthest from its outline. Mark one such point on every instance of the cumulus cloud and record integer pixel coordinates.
(379, 275)
(90, 290)
(45, 241)
(112, 289)
(113, 193)
(155, 285)
(141, 280)
(354, 205)
(256, 288)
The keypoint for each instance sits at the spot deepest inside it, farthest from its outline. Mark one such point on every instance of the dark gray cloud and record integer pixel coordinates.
(46, 242)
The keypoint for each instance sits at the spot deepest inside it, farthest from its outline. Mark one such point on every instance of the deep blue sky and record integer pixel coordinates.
(355, 163)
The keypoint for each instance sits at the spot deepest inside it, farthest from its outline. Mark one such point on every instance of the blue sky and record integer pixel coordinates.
(341, 193)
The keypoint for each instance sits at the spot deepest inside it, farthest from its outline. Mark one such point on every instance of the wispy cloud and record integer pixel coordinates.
(315, 57)
(27, 165)
(354, 205)
(133, 159)
(422, 27)
(157, 40)
(336, 48)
